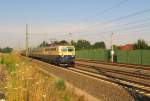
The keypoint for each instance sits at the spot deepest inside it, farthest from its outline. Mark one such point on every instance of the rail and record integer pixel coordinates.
(144, 67)
(130, 80)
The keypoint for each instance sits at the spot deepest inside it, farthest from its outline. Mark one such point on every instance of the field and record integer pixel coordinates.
(21, 81)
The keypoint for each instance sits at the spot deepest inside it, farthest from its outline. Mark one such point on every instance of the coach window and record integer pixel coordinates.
(53, 49)
(48, 49)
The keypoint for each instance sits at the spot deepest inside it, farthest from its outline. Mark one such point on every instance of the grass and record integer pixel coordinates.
(11, 61)
(26, 83)
(60, 85)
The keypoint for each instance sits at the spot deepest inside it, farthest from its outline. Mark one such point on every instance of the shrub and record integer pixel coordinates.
(9, 61)
(60, 85)
(66, 98)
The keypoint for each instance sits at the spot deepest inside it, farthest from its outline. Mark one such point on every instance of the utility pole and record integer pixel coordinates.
(70, 34)
(18, 45)
(45, 37)
(27, 41)
(112, 49)
(52, 40)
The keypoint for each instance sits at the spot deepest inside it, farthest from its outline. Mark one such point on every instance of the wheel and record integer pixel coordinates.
(73, 65)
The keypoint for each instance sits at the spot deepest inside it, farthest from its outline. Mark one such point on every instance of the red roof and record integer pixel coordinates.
(127, 47)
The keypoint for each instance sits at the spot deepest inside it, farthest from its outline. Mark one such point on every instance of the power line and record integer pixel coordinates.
(134, 22)
(125, 35)
(123, 17)
(131, 15)
(106, 35)
(120, 29)
(131, 32)
(110, 8)
(132, 27)
(138, 30)
(120, 25)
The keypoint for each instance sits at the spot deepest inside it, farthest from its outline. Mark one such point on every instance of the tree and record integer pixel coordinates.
(73, 43)
(83, 44)
(140, 44)
(148, 47)
(6, 50)
(63, 42)
(43, 44)
(55, 42)
(115, 47)
(100, 45)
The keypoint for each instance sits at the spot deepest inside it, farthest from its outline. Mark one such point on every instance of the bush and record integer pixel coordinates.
(9, 61)
(60, 85)
(6, 50)
(66, 98)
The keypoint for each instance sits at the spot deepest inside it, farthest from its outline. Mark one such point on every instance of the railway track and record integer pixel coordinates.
(133, 74)
(128, 79)
(143, 67)
(127, 84)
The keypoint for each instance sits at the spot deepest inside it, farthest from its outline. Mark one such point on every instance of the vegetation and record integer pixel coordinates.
(10, 61)
(115, 47)
(79, 45)
(27, 83)
(43, 44)
(6, 50)
(100, 45)
(60, 84)
(63, 42)
(141, 44)
(84, 44)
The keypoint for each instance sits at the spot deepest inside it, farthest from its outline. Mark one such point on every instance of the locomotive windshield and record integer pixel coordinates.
(67, 49)
(64, 49)
(70, 49)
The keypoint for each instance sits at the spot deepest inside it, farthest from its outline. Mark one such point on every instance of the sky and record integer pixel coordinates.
(92, 20)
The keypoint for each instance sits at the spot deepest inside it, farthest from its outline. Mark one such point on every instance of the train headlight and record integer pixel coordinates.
(62, 55)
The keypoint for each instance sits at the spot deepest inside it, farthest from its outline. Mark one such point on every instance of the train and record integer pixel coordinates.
(62, 55)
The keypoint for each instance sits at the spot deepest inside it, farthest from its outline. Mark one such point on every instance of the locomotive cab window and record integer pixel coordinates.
(70, 49)
(64, 49)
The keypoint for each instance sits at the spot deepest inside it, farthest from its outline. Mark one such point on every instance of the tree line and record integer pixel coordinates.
(141, 44)
(6, 50)
(79, 45)
(85, 44)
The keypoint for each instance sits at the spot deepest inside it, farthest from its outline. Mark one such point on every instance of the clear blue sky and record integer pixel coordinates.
(84, 18)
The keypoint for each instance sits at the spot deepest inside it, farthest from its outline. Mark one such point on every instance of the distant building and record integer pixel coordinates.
(126, 47)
